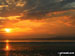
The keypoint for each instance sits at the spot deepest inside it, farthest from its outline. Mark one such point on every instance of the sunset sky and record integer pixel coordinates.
(51, 19)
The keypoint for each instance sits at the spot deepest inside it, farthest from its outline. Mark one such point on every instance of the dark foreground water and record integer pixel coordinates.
(36, 48)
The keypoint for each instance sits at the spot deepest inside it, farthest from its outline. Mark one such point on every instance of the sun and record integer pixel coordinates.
(7, 30)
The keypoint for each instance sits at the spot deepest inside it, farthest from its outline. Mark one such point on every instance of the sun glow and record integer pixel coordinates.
(7, 30)
(7, 41)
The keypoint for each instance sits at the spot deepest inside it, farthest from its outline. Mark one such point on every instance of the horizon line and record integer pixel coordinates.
(38, 40)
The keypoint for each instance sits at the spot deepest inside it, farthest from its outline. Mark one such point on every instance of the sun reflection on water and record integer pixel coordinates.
(7, 45)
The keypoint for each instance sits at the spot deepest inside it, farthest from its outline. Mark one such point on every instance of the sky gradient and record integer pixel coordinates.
(43, 19)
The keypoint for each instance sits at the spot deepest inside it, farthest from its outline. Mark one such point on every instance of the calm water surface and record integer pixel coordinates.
(35, 48)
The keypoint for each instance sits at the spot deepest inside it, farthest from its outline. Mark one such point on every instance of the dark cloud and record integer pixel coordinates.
(34, 7)
(48, 6)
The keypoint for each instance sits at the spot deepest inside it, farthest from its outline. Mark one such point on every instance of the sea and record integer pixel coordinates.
(37, 48)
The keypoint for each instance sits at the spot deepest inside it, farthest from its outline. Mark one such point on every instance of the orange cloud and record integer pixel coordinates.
(60, 25)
